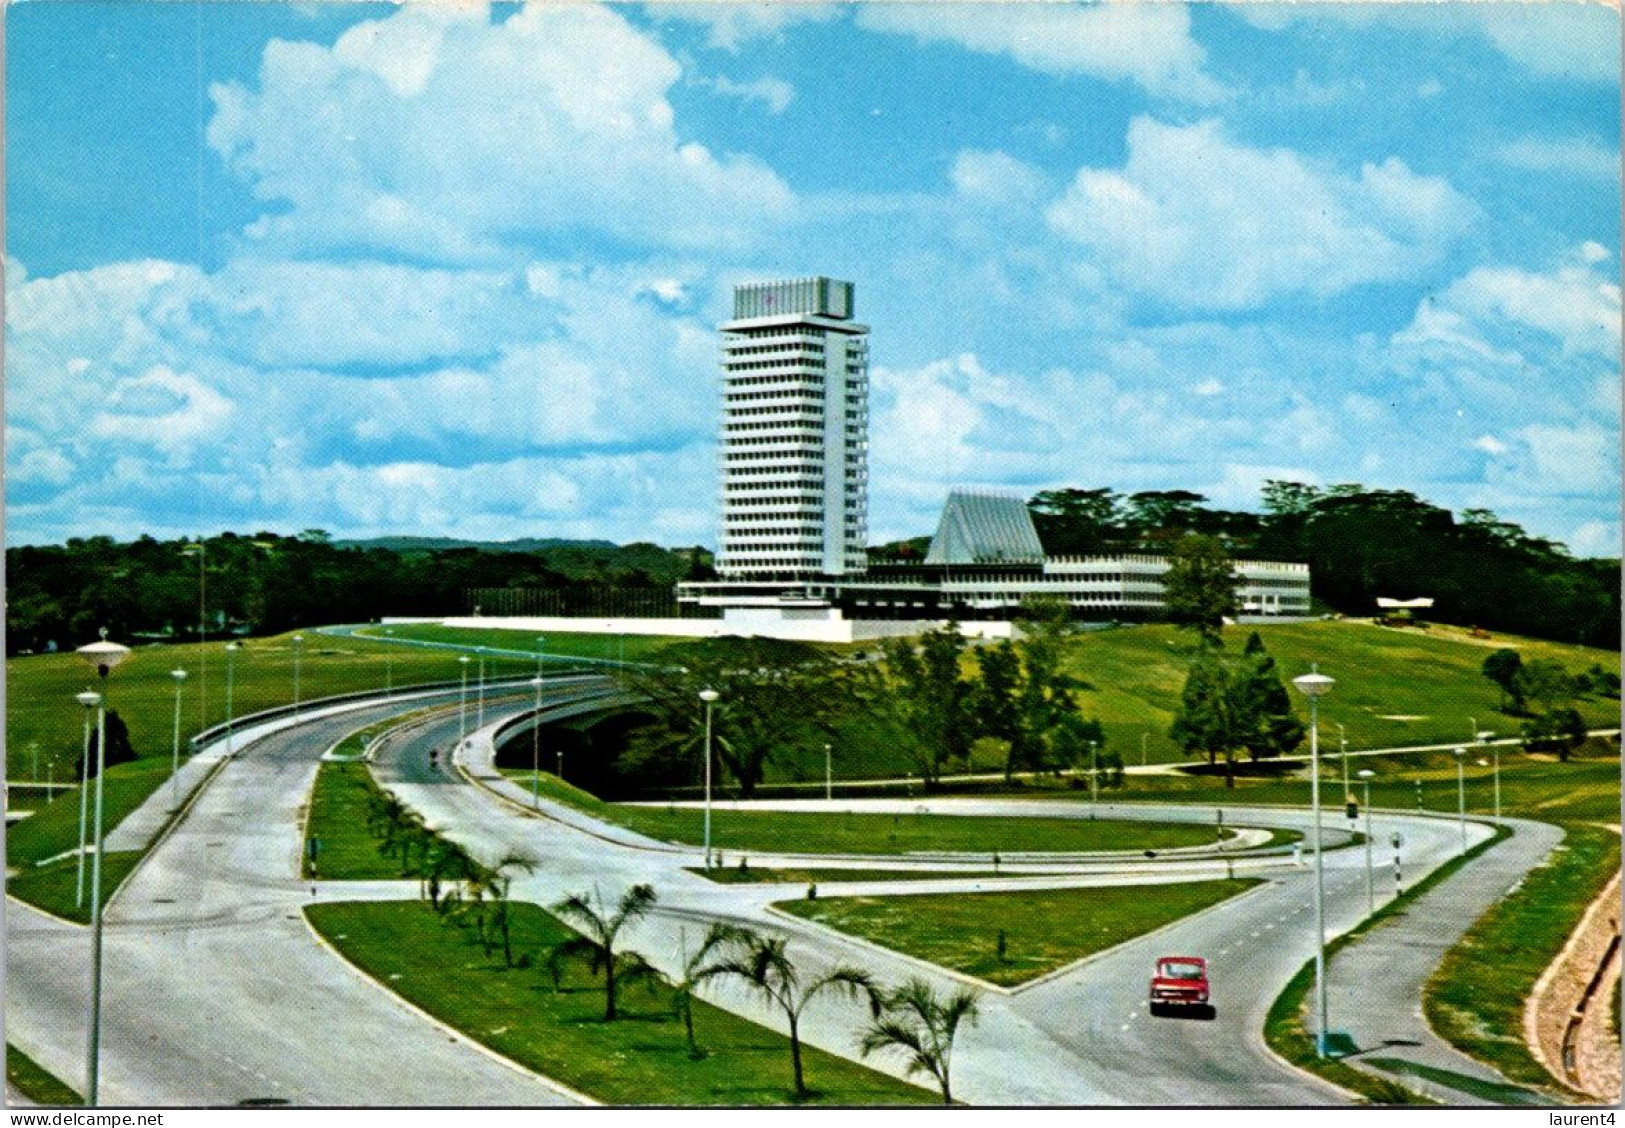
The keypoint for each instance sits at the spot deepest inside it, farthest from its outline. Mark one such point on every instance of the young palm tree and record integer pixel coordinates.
(764, 964)
(922, 1026)
(697, 971)
(595, 942)
(500, 883)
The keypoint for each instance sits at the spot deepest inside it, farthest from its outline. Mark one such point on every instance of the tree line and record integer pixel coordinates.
(1361, 543)
(264, 583)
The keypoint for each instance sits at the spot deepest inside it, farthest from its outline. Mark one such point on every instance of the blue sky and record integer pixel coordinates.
(456, 270)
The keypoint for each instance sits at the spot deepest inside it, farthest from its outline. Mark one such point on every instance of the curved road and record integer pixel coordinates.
(216, 906)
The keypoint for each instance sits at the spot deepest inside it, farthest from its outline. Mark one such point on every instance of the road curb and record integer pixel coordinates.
(445, 1027)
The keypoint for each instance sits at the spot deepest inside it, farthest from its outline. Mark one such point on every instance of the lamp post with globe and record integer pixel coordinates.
(1315, 685)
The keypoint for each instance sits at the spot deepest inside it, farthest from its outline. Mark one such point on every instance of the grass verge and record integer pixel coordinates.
(339, 801)
(1042, 929)
(1476, 997)
(734, 875)
(33, 1082)
(1461, 1082)
(1284, 1030)
(52, 888)
(641, 1059)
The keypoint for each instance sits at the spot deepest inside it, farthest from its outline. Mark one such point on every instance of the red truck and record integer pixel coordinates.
(1180, 982)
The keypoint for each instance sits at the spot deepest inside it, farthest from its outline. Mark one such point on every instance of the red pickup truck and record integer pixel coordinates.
(1181, 982)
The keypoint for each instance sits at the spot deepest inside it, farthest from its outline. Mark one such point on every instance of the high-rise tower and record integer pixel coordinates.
(795, 432)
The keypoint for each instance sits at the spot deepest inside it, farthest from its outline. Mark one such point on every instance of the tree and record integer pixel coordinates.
(499, 882)
(1542, 681)
(930, 697)
(993, 704)
(923, 1027)
(1199, 588)
(764, 964)
(599, 932)
(1502, 668)
(1204, 724)
(696, 970)
(1261, 707)
(1074, 522)
(1559, 730)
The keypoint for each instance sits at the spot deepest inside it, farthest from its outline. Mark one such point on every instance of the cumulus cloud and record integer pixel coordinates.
(1581, 156)
(732, 25)
(774, 93)
(995, 177)
(1198, 219)
(1148, 44)
(436, 131)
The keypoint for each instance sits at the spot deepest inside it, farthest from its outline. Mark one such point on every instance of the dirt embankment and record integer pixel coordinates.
(1567, 1020)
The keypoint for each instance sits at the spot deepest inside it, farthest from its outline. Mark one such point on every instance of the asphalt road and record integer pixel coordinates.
(217, 993)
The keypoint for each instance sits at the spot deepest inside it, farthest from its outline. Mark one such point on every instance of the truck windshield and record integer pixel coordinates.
(1180, 969)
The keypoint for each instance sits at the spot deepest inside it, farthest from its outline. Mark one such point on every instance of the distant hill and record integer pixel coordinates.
(443, 544)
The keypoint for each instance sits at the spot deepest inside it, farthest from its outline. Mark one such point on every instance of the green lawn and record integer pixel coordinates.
(1476, 997)
(54, 826)
(1585, 788)
(1383, 674)
(811, 832)
(356, 743)
(733, 875)
(53, 887)
(338, 817)
(1044, 929)
(29, 1079)
(641, 1059)
(612, 647)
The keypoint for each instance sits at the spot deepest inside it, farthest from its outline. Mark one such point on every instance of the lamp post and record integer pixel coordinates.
(231, 677)
(84, 803)
(541, 641)
(389, 669)
(829, 778)
(1484, 739)
(1461, 797)
(1094, 777)
(103, 656)
(1343, 754)
(709, 696)
(298, 654)
(1370, 890)
(201, 551)
(1314, 685)
(481, 714)
(462, 702)
(536, 748)
(175, 748)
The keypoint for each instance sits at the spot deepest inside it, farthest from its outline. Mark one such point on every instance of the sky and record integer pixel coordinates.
(456, 270)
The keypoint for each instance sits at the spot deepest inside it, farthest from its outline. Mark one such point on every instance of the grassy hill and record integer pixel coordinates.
(1395, 687)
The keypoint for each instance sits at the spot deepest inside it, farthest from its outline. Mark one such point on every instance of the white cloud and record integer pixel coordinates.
(995, 177)
(735, 24)
(1573, 303)
(164, 409)
(1491, 445)
(1582, 156)
(1432, 88)
(1595, 539)
(774, 93)
(436, 131)
(1208, 388)
(1203, 221)
(1149, 44)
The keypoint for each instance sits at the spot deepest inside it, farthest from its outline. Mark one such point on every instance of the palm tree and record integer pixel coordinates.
(695, 972)
(923, 1027)
(764, 964)
(595, 942)
(500, 883)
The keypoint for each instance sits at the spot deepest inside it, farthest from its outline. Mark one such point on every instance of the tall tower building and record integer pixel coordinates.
(795, 432)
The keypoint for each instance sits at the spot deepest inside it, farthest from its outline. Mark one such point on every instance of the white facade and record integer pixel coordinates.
(795, 432)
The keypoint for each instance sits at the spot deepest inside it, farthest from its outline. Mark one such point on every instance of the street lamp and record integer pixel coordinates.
(175, 749)
(709, 696)
(1461, 797)
(481, 714)
(104, 656)
(298, 653)
(829, 779)
(1343, 744)
(201, 551)
(1484, 739)
(84, 800)
(231, 675)
(462, 702)
(1094, 778)
(536, 748)
(1314, 685)
(389, 669)
(541, 641)
(1370, 890)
